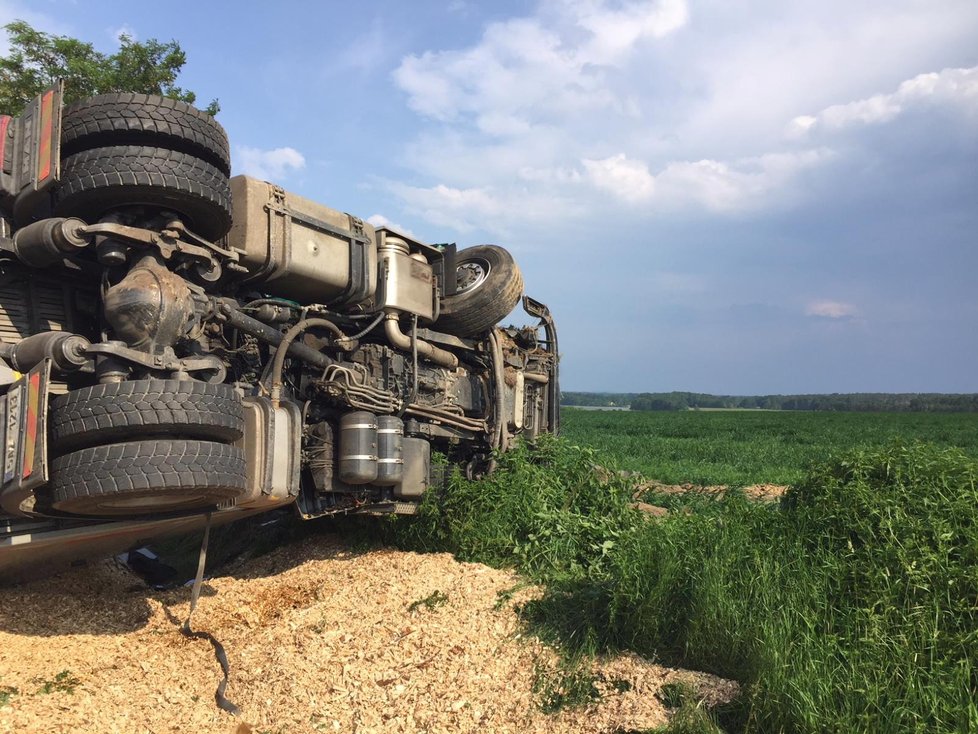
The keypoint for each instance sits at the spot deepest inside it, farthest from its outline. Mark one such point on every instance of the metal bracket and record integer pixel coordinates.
(168, 241)
(166, 361)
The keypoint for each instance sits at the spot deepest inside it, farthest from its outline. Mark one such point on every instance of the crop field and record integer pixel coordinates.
(743, 447)
(846, 606)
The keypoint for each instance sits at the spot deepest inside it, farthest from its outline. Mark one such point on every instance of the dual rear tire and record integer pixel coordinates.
(125, 150)
(146, 447)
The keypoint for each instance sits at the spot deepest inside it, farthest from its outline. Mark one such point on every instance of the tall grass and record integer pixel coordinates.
(852, 606)
(747, 447)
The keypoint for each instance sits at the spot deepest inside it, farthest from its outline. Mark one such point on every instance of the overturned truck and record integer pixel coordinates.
(177, 343)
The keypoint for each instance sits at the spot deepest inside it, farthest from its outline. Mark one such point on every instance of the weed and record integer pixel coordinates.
(505, 596)
(569, 684)
(433, 600)
(691, 717)
(674, 695)
(63, 682)
(6, 693)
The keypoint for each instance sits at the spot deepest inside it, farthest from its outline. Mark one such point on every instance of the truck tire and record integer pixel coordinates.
(144, 119)
(489, 287)
(143, 409)
(97, 181)
(142, 478)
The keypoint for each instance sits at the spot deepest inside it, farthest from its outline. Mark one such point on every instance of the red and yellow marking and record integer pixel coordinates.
(4, 124)
(44, 143)
(30, 439)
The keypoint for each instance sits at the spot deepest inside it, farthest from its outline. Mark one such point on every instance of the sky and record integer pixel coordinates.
(741, 198)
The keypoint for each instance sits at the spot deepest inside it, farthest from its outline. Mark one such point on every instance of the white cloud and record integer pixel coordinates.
(549, 194)
(504, 211)
(719, 186)
(269, 165)
(629, 180)
(616, 31)
(727, 186)
(950, 87)
(459, 209)
(830, 310)
(379, 220)
(525, 71)
(659, 107)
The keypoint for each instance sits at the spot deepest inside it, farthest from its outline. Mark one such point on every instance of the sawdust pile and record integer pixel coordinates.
(319, 639)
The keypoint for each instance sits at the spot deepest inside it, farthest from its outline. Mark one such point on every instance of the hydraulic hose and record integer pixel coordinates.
(290, 336)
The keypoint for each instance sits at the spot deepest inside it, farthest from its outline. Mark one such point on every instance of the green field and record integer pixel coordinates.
(751, 447)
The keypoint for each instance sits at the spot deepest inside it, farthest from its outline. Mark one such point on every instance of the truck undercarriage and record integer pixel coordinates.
(177, 343)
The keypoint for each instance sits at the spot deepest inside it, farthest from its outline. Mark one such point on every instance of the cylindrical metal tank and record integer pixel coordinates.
(390, 451)
(358, 447)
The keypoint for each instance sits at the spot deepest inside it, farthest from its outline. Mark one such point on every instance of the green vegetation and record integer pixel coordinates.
(741, 447)
(432, 601)
(567, 685)
(36, 59)
(63, 682)
(6, 693)
(848, 402)
(863, 401)
(848, 607)
(690, 716)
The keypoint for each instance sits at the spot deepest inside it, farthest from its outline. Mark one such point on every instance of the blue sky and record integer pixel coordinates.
(772, 197)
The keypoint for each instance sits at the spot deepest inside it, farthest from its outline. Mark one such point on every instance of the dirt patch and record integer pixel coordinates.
(759, 492)
(319, 639)
(645, 486)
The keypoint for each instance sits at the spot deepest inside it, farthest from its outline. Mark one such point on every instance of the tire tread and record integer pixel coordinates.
(144, 119)
(144, 409)
(196, 473)
(95, 181)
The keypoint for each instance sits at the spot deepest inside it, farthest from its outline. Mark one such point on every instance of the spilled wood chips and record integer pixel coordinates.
(320, 639)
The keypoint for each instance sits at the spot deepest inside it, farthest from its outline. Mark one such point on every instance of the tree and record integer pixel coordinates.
(36, 59)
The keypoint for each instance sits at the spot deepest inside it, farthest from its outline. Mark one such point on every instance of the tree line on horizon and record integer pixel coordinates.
(854, 402)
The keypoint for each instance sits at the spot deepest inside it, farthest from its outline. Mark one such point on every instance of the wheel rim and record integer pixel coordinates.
(470, 274)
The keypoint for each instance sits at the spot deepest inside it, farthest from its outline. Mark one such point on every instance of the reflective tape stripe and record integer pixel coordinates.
(4, 124)
(44, 144)
(30, 440)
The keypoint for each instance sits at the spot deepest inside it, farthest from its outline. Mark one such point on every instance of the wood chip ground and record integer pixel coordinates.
(320, 639)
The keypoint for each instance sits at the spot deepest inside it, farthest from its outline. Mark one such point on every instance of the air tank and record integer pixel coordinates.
(390, 452)
(358, 447)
